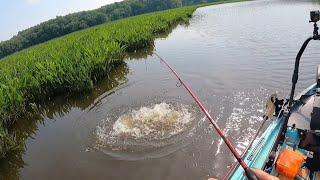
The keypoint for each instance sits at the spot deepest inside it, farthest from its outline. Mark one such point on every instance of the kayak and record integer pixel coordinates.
(289, 148)
(262, 152)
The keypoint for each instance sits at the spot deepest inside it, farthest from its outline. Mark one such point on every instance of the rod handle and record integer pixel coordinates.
(250, 174)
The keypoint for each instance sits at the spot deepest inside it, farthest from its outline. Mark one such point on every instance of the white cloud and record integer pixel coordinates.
(33, 1)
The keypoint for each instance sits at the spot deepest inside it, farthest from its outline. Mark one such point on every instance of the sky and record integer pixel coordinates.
(17, 15)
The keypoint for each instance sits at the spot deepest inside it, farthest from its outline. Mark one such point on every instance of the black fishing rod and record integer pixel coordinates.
(249, 173)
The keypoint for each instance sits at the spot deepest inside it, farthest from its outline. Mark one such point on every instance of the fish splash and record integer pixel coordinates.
(159, 122)
(147, 128)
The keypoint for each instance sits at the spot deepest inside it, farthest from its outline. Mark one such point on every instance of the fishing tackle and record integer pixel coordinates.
(249, 173)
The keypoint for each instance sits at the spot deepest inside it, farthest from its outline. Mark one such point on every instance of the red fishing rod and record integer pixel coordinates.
(249, 173)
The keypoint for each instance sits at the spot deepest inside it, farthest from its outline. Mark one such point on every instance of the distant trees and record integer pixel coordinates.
(62, 25)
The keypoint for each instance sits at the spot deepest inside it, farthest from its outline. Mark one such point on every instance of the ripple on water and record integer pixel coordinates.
(244, 119)
(148, 131)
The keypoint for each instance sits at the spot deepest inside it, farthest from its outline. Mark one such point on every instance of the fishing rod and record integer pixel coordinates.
(266, 116)
(249, 173)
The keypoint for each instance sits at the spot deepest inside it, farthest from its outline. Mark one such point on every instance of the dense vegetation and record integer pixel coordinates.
(72, 63)
(62, 25)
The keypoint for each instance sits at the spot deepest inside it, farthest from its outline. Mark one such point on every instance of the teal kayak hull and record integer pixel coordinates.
(258, 155)
(261, 148)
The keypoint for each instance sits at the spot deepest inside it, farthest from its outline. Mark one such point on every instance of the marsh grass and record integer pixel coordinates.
(73, 63)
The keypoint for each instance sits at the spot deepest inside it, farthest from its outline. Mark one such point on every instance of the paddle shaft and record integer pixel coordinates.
(249, 173)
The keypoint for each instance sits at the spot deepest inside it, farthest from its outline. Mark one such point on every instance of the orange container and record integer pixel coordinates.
(289, 163)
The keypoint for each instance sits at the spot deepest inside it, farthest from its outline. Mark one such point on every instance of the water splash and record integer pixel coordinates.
(147, 130)
(160, 121)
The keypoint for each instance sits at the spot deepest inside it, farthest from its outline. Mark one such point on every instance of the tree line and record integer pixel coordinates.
(63, 25)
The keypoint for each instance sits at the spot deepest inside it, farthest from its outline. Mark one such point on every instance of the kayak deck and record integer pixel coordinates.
(261, 148)
(301, 117)
(298, 123)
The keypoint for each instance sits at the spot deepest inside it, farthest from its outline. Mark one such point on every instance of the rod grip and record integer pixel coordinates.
(250, 174)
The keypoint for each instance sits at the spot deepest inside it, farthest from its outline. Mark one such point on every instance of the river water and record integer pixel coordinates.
(139, 124)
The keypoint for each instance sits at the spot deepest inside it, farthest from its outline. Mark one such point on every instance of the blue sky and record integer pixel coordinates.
(17, 15)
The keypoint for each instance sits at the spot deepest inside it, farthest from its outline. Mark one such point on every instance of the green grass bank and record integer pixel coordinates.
(73, 63)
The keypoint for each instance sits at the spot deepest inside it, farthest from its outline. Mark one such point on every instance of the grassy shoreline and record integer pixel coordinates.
(74, 62)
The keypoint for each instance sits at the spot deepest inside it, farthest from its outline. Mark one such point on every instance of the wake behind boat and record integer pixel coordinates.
(290, 147)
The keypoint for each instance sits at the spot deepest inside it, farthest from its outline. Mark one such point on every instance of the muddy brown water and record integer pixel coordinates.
(233, 56)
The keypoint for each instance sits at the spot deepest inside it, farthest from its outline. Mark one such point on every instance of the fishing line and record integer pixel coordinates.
(249, 173)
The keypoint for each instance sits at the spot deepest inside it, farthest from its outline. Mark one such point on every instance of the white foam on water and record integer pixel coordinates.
(219, 146)
(155, 123)
(244, 120)
(160, 121)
